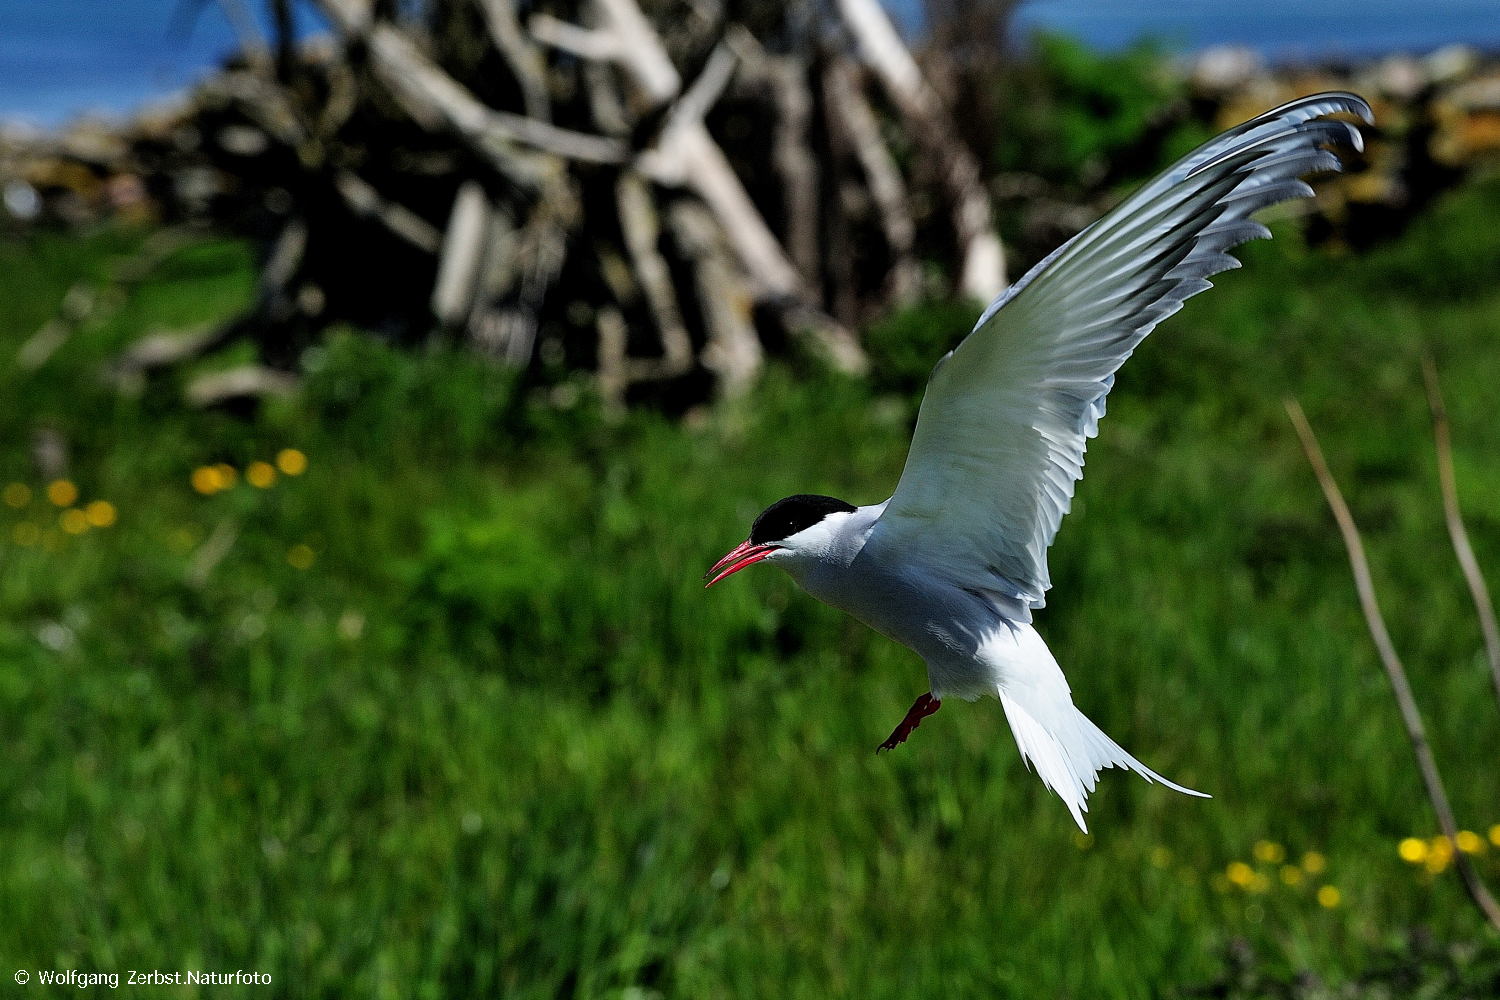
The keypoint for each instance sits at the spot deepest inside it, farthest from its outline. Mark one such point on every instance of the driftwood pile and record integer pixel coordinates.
(649, 190)
(653, 193)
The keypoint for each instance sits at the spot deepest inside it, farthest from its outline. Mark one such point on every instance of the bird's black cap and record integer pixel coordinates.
(785, 518)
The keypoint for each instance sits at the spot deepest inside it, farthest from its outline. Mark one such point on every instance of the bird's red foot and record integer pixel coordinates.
(923, 707)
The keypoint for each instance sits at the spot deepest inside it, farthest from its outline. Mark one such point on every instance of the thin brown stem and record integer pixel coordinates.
(1461, 546)
(1393, 669)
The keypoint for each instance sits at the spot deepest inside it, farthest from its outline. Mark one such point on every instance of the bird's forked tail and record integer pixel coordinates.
(1067, 750)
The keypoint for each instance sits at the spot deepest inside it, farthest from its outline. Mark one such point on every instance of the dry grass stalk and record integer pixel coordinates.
(1393, 668)
(1456, 531)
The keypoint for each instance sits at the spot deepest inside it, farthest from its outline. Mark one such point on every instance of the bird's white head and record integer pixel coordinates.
(805, 525)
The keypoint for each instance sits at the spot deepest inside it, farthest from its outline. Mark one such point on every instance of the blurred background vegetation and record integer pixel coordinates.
(405, 684)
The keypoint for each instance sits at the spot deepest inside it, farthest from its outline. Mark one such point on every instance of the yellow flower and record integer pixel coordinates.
(1413, 849)
(26, 533)
(1161, 857)
(1291, 875)
(1439, 853)
(1240, 874)
(260, 474)
(206, 479)
(1082, 841)
(1313, 862)
(101, 513)
(17, 495)
(73, 521)
(62, 493)
(1270, 852)
(227, 475)
(1328, 897)
(300, 556)
(1495, 834)
(1259, 883)
(1470, 842)
(291, 461)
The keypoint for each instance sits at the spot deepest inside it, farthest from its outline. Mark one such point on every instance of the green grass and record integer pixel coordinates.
(497, 740)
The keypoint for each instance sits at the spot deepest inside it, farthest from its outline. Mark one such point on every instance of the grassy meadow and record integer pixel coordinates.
(452, 715)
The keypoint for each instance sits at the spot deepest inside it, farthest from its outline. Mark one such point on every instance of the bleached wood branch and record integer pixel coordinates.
(432, 98)
(612, 376)
(463, 244)
(1410, 715)
(1456, 531)
(642, 229)
(412, 74)
(686, 155)
(238, 383)
(365, 201)
(520, 55)
(733, 351)
(983, 275)
(887, 189)
(624, 36)
(526, 262)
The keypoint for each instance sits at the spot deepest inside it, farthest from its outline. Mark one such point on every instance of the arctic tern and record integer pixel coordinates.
(954, 563)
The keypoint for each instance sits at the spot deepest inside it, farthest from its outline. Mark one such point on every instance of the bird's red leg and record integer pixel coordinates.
(923, 707)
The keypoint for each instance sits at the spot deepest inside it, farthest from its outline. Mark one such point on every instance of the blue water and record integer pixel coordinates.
(60, 58)
(1282, 29)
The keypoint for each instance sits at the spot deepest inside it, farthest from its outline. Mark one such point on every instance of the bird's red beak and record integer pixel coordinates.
(744, 554)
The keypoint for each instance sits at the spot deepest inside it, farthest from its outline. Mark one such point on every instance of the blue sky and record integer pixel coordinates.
(59, 58)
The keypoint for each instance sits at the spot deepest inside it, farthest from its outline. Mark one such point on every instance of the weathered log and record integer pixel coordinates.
(523, 58)
(795, 164)
(613, 378)
(366, 202)
(983, 274)
(733, 351)
(244, 381)
(433, 97)
(642, 230)
(887, 189)
(686, 155)
(524, 265)
(624, 36)
(458, 265)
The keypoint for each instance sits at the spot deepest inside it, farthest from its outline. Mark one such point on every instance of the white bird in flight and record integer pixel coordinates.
(952, 565)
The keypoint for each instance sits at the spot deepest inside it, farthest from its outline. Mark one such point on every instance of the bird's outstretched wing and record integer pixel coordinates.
(1001, 434)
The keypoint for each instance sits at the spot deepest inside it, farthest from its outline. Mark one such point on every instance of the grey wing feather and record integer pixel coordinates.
(1001, 435)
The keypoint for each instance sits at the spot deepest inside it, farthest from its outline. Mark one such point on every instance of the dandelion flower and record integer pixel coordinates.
(206, 479)
(1413, 850)
(1439, 853)
(17, 495)
(1495, 834)
(1161, 857)
(62, 493)
(101, 513)
(1329, 897)
(1270, 852)
(1470, 842)
(1240, 874)
(260, 474)
(291, 461)
(1313, 862)
(227, 475)
(300, 556)
(73, 521)
(1291, 875)
(1259, 883)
